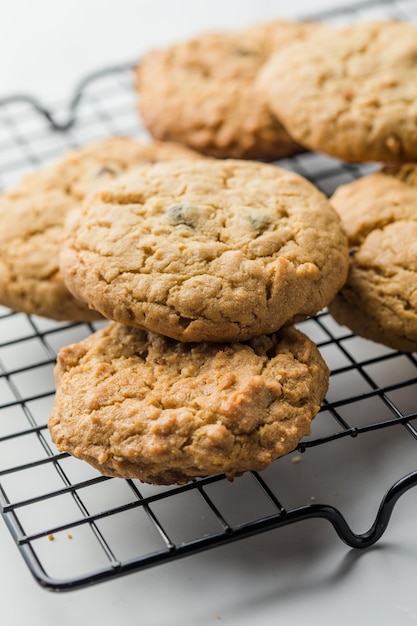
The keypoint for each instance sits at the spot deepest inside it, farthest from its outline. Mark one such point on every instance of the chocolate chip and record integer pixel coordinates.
(182, 214)
(105, 170)
(246, 52)
(260, 222)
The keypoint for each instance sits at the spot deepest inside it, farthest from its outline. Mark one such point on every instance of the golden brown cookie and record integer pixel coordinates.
(138, 405)
(379, 300)
(201, 92)
(206, 250)
(350, 92)
(32, 217)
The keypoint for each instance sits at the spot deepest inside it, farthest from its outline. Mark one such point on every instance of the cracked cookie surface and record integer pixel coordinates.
(206, 250)
(379, 299)
(201, 92)
(139, 405)
(350, 92)
(32, 215)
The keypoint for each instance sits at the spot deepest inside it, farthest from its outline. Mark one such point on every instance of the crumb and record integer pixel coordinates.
(69, 535)
(51, 537)
(312, 498)
(296, 459)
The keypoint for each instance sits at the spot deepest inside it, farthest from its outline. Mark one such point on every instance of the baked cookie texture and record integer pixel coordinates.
(206, 250)
(379, 299)
(350, 92)
(135, 404)
(201, 92)
(32, 216)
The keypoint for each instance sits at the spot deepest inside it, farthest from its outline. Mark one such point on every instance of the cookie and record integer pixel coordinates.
(32, 216)
(201, 92)
(379, 300)
(206, 250)
(135, 404)
(350, 92)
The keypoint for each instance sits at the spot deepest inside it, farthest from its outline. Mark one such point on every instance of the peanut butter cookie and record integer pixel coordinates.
(206, 250)
(379, 300)
(33, 213)
(138, 405)
(201, 92)
(350, 92)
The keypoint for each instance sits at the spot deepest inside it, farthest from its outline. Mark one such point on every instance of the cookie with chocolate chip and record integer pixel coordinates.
(201, 92)
(379, 299)
(206, 250)
(135, 404)
(350, 91)
(32, 215)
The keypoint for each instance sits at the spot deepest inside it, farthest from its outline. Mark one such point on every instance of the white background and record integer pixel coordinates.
(298, 575)
(46, 46)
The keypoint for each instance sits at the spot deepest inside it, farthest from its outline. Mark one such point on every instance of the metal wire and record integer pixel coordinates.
(75, 527)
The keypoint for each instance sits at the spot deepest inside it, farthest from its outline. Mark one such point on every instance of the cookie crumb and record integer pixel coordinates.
(51, 537)
(296, 459)
(69, 536)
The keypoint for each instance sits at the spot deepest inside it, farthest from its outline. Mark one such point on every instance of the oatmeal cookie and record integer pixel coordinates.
(201, 92)
(206, 250)
(32, 216)
(350, 92)
(379, 300)
(135, 404)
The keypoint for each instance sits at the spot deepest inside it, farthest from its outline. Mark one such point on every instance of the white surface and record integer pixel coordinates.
(296, 575)
(262, 581)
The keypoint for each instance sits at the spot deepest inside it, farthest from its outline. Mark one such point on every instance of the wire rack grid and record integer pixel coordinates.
(75, 527)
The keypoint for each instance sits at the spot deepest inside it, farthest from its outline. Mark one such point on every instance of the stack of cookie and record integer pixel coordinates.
(200, 264)
(203, 262)
(203, 266)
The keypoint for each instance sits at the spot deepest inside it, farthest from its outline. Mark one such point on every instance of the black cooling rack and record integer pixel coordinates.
(75, 527)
